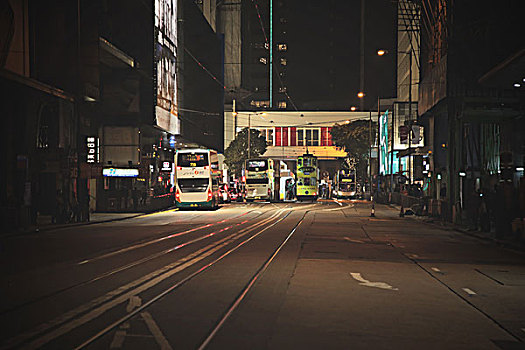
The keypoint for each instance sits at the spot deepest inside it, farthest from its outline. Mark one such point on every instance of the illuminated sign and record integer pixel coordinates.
(166, 166)
(166, 109)
(119, 172)
(383, 144)
(92, 144)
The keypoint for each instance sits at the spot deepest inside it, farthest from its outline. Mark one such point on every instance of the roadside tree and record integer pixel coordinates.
(237, 152)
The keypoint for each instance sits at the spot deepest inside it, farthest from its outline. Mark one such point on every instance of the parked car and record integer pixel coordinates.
(236, 194)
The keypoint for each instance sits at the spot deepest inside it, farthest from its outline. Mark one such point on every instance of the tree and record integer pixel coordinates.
(355, 138)
(237, 152)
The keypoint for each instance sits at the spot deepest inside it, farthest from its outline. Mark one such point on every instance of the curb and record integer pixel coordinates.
(37, 230)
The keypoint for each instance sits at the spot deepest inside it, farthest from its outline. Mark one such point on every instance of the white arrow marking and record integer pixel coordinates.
(469, 291)
(382, 285)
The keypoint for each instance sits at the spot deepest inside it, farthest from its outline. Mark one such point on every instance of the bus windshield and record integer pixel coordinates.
(257, 165)
(192, 159)
(346, 186)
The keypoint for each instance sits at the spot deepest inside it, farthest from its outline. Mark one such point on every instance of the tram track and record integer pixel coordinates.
(82, 314)
(135, 263)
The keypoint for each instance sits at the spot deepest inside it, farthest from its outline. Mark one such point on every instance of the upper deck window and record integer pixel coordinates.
(192, 159)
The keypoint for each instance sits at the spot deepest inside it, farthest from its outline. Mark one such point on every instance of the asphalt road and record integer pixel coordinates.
(261, 276)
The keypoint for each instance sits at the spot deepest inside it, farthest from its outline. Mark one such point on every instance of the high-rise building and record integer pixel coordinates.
(304, 55)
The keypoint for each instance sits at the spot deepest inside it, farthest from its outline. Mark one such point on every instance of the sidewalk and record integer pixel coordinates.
(508, 242)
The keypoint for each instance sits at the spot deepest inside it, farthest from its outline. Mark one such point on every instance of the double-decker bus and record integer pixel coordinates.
(345, 184)
(260, 182)
(307, 177)
(197, 178)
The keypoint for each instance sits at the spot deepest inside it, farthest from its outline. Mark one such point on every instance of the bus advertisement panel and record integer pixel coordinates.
(197, 178)
(260, 182)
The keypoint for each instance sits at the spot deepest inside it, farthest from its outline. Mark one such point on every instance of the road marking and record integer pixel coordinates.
(155, 330)
(68, 321)
(341, 204)
(435, 269)
(469, 291)
(120, 335)
(118, 340)
(159, 212)
(412, 256)
(382, 285)
(353, 240)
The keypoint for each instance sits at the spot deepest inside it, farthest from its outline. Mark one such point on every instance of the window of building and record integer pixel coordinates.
(258, 103)
(283, 20)
(308, 136)
(282, 104)
(263, 60)
(269, 137)
(282, 47)
(260, 45)
(283, 61)
(300, 137)
(282, 89)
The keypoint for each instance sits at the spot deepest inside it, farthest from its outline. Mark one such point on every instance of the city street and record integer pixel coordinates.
(261, 276)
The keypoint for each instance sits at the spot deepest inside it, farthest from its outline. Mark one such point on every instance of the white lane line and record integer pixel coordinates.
(341, 204)
(469, 291)
(155, 330)
(382, 285)
(435, 269)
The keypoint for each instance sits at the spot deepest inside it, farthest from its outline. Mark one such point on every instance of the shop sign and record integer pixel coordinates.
(120, 172)
(166, 166)
(92, 144)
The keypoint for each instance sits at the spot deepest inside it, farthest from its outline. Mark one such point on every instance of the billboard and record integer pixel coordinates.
(384, 165)
(166, 108)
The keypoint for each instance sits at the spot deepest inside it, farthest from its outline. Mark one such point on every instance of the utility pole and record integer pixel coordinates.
(249, 132)
(410, 118)
(362, 56)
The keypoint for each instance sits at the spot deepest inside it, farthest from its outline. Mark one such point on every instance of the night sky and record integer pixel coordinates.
(324, 53)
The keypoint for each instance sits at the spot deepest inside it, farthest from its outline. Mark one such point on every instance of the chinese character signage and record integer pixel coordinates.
(93, 146)
(383, 144)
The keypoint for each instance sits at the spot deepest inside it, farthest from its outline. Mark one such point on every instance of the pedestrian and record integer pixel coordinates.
(135, 198)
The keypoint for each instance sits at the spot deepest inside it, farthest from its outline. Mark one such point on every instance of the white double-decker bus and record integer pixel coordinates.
(260, 183)
(197, 178)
